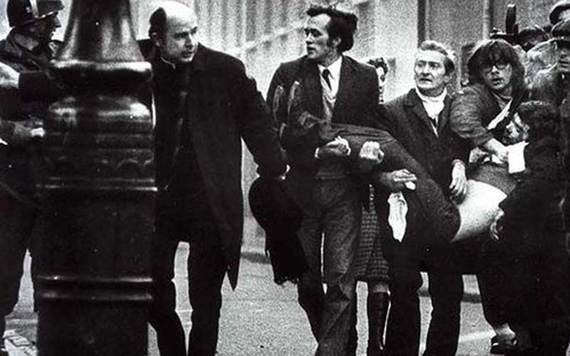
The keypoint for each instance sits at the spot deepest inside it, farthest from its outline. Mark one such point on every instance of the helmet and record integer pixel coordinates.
(557, 9)
(22, 12)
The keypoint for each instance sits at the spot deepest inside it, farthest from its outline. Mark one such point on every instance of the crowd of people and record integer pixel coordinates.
(442, 180)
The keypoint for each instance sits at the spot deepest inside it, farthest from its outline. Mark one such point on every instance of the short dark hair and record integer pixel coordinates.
(541, 117)
(489, 52)
(378, 62)
(157, 22)
(342, 25)
(529, 33)
(440, 47)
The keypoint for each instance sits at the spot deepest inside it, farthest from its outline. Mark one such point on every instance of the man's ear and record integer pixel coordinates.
(156, 39)
(336, 42)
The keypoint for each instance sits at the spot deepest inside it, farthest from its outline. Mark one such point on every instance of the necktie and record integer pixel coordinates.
(326, 74)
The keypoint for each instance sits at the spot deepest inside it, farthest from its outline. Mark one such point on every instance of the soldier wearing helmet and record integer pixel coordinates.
(544, 55)
(29, 46)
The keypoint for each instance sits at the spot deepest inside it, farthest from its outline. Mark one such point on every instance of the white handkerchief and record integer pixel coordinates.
(516, 157)
(397, 215)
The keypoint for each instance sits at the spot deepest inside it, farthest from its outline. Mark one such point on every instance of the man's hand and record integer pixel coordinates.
(399, 180)
(370, 155)
(496, 226)
(336, 148)
(458, 186)
(496, 148)
(8, 77)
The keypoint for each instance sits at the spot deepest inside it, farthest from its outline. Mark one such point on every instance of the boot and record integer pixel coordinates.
(3, 351)
(377, 311)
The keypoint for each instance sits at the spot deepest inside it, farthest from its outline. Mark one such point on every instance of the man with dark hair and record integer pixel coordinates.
(419, 120)
(28, 47)
(336, 88)
(205, 103)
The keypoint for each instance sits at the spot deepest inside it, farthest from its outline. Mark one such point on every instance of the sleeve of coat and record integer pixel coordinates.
(466, 117)
(534, 193)
(256, 125)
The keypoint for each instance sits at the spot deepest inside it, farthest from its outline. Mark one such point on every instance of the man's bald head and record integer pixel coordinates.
(173, 29)
(166, 10)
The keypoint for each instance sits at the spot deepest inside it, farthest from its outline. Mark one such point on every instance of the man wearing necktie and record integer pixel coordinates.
(28, 47)
(340, 90)
(419, 121)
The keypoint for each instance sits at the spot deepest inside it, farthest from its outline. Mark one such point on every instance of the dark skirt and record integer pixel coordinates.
(370, 264)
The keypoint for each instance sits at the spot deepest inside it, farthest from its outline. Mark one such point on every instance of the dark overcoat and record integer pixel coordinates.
(407, 121)
(221, 106)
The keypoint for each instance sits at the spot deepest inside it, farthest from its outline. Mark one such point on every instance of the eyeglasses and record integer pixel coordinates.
(487, 68)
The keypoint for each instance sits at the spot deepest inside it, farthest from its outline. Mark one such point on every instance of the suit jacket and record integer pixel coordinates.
(218, 104)
(355, 104)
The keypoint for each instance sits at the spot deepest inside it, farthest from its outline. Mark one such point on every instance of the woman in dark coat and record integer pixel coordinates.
(530, 227)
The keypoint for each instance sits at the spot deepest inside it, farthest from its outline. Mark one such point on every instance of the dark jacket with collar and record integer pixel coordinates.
(406, 119)
(221, 105)
(473, 108)
(17, 118)
(532, 209)
(355, 104)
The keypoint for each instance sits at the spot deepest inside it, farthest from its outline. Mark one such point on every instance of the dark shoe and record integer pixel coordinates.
(377, 310)
(503, 347)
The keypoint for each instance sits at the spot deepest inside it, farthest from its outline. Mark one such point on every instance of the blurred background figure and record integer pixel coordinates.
(382, 70)
(28, 47)
(530, 36)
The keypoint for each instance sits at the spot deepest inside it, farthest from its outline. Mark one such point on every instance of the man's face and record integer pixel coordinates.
(180, 42)
(498, 76)
(43, 30)
(429, 72)
(320, 47)
(563, 49)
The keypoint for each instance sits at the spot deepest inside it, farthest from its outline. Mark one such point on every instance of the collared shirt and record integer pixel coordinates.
(334, 78)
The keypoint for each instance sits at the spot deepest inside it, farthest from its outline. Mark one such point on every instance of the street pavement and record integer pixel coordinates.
(259, 317)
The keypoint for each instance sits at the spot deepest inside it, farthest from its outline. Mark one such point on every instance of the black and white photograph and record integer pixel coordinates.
(284, 177)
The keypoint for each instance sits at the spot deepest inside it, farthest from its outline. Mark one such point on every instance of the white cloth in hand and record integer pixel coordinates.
(397, 216)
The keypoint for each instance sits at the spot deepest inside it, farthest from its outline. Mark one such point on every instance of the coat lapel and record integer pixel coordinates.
(346, 83)
(415, 104)
(312, 88)
(444, 116)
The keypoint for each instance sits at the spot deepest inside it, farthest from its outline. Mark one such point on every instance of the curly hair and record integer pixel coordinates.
(489, 52)
(341, 25)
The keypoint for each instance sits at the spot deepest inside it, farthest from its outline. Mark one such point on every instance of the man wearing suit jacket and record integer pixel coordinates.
(339, 89)
(419, 121)
(205, 103)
